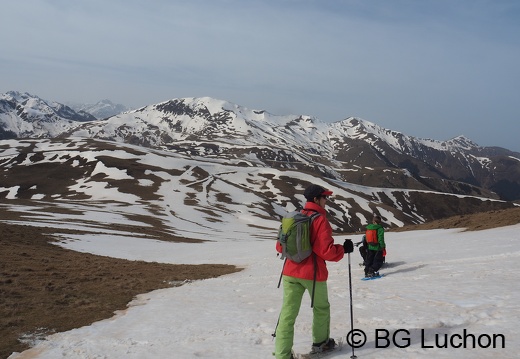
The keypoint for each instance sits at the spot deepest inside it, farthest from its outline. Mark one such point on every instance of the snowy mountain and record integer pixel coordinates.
(353, 150)
(23, 115)
(101, 109)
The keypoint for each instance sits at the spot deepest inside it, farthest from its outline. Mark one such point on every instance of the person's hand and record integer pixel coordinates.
(348, 246)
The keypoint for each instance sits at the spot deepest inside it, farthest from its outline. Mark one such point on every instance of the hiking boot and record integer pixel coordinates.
(323, 347)
(370, 273)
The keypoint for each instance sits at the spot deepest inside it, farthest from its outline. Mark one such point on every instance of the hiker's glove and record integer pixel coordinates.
(348, 246)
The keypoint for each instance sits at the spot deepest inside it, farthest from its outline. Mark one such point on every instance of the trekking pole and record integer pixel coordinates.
(281, 274)
(353, 356)
(279, 282)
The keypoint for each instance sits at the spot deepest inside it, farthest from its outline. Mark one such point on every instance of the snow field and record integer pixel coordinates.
(439, 284)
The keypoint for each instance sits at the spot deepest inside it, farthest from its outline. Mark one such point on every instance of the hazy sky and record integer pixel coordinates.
(426, 68)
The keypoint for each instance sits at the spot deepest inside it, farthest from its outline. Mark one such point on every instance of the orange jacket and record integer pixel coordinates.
(322, 245)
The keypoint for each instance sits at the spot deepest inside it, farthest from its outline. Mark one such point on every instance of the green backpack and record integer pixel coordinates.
(294, 236)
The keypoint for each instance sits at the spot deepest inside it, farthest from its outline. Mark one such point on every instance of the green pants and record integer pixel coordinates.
(293, 289)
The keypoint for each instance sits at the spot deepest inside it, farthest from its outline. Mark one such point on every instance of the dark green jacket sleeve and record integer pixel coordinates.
(381, 237)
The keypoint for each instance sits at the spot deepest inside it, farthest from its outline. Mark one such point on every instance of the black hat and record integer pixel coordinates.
(314, 191)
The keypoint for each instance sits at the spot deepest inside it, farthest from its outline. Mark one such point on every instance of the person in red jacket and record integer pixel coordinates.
(310, 275)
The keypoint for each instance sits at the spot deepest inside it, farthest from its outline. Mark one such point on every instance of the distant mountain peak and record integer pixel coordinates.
(101, 109)
(462, 141)
(16, 96)
(205, 104)
(26, 115)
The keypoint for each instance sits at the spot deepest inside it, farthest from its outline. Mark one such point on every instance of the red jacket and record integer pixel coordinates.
(322, 245)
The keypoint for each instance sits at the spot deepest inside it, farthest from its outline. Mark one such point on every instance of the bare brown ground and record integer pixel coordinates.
(45, 288)
(472, 222)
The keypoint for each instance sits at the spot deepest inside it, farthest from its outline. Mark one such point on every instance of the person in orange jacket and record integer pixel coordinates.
(310, 275)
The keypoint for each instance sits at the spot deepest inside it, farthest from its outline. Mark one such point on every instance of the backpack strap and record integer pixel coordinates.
(312, 216)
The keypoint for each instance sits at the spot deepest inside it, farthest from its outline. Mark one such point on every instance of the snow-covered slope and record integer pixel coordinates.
(177, 188)
(375, 135)
(446, 293)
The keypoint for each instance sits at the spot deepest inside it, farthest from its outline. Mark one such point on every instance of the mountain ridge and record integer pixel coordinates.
(352, 150)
